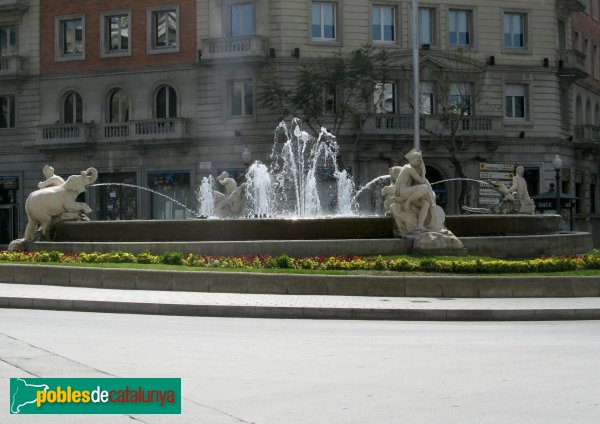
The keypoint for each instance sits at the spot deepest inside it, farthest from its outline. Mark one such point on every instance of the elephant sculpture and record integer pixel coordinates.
(56, 201)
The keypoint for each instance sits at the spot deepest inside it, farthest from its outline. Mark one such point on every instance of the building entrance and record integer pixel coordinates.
(9, 209)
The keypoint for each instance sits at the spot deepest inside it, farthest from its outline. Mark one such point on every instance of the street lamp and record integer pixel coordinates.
(247, 156)
(557, 163)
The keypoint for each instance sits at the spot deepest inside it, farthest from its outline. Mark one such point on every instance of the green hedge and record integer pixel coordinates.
(352, 263)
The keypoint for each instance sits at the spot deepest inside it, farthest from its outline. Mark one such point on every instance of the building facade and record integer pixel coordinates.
(161, 94)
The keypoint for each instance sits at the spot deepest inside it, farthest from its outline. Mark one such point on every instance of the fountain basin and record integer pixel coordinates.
(486, 235)
(293, 229)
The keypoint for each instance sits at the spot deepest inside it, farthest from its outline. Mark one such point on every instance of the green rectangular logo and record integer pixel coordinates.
(95, 396)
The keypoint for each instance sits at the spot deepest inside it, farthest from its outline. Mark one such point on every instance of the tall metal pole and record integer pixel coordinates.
(415, 60)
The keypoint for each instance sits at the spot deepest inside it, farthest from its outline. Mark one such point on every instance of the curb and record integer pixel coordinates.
(300, 312)
(402, 285)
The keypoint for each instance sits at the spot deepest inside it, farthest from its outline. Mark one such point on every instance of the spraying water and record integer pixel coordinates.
(149, 190)
(302, 175)
(204, 195)
(259, 190)
(345, 194)
(461, 179)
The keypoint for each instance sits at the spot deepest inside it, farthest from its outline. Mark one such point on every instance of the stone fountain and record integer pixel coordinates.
(301, 204)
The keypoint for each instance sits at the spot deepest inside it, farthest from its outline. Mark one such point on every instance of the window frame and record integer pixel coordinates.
(337, 11)
(230, 85)
(434, 24)
(151, 30)
(59, 38)
(456, 93)
(432, 97)
(13, 116)
(526, 16)
(155, 101)
(64, 97)
(395, 22)
(227, 17)
(527, 103)
(394, 92)
(16, 46)
(105, 34)
(109, 96)
(470, 29)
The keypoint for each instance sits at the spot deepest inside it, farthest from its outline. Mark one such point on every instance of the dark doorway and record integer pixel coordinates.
(441, 190)
(116, 202)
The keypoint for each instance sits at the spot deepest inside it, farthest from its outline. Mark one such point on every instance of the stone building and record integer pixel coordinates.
(161, 94)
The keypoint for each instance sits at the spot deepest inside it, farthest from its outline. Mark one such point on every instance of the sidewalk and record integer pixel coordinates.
(30, 296)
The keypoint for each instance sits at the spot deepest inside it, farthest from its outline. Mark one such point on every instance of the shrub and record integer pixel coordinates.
(172, 258)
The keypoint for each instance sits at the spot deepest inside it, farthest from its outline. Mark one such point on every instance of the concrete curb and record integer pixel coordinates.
(402, 285)
(249, 311)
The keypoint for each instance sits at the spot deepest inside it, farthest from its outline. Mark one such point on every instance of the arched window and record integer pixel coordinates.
(588, 112)
(165, 102)
(597, 115)
(578, 111)
(72, 108)
(118, 105)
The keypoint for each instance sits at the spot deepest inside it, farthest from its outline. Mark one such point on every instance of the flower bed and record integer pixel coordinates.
(352, 263)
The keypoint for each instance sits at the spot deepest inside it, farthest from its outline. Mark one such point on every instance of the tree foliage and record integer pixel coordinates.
(330, 92)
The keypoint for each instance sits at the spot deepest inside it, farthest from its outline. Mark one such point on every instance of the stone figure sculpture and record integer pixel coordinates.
(232, 202)
(51, 179)
(411, 202)
(515, 199)
(55, 201)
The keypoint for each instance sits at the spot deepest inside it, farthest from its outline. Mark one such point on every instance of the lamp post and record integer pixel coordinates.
(416, 78)
(557, 163)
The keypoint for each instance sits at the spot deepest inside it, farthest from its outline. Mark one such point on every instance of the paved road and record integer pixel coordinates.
(303, 371)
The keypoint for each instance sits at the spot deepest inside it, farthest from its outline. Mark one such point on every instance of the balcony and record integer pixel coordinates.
(235, 49)
(64, 136)
(587, 134)
(571, 64)
(14, 6)
(147, 132)
(170, 131)
(12, 67)
(434, 125)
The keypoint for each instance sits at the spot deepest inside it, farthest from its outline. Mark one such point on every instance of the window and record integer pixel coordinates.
(323, 21)
(166, 102)
(384, 19)
(8, 41)
(514, 30)
(116, 30)
(426, 25)
(118, 105)
(459, 29)
(241, 19)
(460, 98)
(384, 97)
(7, 111)
(242, 97)
(72, 108)
(164, 30)
(426, 101)
(70, 42)
(515, 101)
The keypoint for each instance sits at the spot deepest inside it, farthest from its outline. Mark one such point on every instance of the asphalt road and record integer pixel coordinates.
(303, 371)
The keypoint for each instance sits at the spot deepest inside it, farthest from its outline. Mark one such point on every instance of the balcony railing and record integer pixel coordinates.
(60, 135)
(12, 67)
(150, 130)
(147, 130)
(434, 124)
(14, 5)
(572, 63)
(587, 134)
(233, 48)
